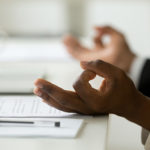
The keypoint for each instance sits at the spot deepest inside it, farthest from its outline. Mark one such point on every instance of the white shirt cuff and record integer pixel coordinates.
(147, 145)
(136, 69)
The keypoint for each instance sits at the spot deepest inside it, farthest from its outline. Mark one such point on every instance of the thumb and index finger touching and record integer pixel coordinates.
(101, 68)
(105, 30)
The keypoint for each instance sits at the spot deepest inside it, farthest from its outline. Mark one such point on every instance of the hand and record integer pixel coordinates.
(116, 95)
(116, 52)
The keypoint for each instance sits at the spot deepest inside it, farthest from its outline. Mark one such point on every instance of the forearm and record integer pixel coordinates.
(144, 114)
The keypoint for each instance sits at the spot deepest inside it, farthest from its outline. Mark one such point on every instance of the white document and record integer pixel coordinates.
(34, 50)
(69, 128)
(27, 106)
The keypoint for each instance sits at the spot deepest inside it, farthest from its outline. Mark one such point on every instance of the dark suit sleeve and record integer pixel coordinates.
(144, 81)
(144, 87)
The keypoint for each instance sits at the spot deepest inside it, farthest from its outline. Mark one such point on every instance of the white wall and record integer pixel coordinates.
(55, 17)
(33, 17)
(132, 17)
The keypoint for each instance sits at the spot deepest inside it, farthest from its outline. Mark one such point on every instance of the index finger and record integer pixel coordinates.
(101, 68)
(83, 87)
(107, 30)
(60, 95)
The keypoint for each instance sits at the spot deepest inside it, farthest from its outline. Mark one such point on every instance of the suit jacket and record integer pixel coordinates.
(144, 81)
(144, 87)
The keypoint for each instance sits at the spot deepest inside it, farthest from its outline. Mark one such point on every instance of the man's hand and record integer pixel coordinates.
(116, 52)
(117, 93)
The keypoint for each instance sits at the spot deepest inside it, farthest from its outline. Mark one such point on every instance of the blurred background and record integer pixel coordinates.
(53, 18)
(32, 30)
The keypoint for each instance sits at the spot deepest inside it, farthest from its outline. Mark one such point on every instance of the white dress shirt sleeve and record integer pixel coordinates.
(147, 144)
(136, 69)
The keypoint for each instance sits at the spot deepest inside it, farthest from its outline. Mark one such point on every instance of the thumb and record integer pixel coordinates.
(101, 68)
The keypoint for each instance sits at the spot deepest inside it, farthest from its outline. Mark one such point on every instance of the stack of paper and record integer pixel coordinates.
(69, 128)
(28, 106)
(33, 50)
(31, 108)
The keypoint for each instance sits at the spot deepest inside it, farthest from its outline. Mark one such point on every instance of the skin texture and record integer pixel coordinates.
(117, 94)
(116, 52)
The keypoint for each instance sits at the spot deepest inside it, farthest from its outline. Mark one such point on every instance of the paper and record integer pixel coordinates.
(27, 106)
(34, 50)
(69, 129)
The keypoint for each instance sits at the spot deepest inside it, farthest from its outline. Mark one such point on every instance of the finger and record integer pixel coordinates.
(74, 48)
(61, 96)
(98, 42)
(50, 101)
(101, 68)
(115, 34)
(106, 29)
(49, 87)
(73, 44)
(98, 38)
(70, 41)
(83, 87)
(103, 86)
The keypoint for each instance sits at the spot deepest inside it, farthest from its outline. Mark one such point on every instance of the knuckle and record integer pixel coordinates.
(63, 100)
(97, 63)
(48, 88)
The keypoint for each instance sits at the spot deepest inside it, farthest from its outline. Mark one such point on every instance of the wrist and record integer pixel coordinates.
(140, 111)
(144, 113)
(129, 60)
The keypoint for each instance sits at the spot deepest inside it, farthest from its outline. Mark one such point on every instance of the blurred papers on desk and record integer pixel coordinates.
(28, 106)
(69, 128)
(29, 49)
(31, 108)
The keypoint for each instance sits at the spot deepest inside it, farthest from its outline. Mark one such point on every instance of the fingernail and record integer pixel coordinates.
(38, 93)
(39, 85)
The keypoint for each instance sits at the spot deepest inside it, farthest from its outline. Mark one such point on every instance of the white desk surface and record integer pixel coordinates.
(93, 136)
